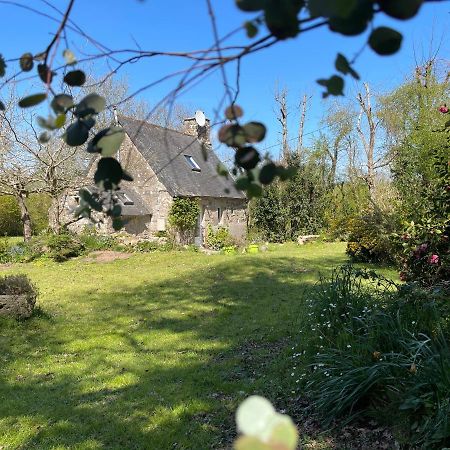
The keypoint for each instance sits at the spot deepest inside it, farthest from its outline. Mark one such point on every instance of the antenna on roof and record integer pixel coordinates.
(200, 118)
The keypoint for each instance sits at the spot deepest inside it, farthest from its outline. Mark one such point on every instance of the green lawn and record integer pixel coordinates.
(152, 352)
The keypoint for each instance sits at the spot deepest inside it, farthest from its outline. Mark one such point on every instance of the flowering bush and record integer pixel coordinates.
(425, 254)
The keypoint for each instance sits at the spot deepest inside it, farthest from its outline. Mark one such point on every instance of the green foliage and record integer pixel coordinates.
(10, 222)
(184, 213)
(425, 252)
(63, 246)
(294, 207)
(370, 237)
(379, 349)
(218, 239)
(91, 240)
(345, 202)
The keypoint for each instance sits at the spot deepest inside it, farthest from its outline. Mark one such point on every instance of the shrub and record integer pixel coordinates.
(381, 349)
(63, 246)
(218, 239)
(17, 285)
(425, 254)
(370, 239)
(93, 241)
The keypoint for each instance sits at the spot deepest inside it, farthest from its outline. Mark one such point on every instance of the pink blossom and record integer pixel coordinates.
(444, 109)
(433, 259)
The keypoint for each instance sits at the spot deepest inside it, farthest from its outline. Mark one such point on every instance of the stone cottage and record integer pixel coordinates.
(166, 164)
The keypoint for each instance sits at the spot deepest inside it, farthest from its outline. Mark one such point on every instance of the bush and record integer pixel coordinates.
(218, 239)
(63, 246)
(381, 350)
(17, 285)
(93, 241)
(425, 254)
(370, 238)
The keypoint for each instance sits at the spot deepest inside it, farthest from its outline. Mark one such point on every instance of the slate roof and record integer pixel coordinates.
(165, 151)
(130, 201)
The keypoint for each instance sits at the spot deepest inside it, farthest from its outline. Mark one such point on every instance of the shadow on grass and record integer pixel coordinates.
(158, 366)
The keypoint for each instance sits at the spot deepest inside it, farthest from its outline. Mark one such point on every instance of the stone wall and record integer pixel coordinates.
(146, 184)
(232, 215)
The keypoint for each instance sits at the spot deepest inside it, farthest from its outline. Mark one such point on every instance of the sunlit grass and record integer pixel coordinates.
(152, 352)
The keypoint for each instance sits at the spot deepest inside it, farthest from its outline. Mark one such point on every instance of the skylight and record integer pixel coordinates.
(192, 163)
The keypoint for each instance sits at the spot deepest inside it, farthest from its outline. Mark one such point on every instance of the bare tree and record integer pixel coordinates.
(368, 135)
(301, 128)
(282, 117)
(339, 122)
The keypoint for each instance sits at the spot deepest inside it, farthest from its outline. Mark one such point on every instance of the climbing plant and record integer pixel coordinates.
(184, 213)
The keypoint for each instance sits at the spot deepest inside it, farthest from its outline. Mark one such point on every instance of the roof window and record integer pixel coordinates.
(192, 163)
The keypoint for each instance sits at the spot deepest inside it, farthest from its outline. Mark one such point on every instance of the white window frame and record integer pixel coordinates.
(192, 163)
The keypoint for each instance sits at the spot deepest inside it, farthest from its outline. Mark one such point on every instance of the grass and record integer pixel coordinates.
(153, 352)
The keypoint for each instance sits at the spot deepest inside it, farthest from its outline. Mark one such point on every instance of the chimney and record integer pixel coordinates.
(192, 128)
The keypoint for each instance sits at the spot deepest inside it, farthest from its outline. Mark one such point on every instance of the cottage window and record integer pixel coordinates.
(219, 215)
(192, 163)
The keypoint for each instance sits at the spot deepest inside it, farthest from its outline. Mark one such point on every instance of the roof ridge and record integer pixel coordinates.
(154, 125)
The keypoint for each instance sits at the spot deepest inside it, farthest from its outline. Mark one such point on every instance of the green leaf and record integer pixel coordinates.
(61, 103)
(77, 133)
(107, 142)
(69, 57)
(385, 41)
(32, 100)
(233, 112)
(251, 5)
(254, 190)
(356, 21)
(268, 173)
(45, 74)
(247, 157)
(331, 8)
(26, 62)
(242, 183)
(60, 120)
(334, 85)
(91, 104)
(447, 124)
(250, 443)
(281, 17)
(254, 132)
(44, 137)
(232, 135)
(2, 66)
(222, 170)
(75, 78)
(400, 9)
(108, 174)
(285, 173)
(343, 66)
(251, 28)
(48, 124)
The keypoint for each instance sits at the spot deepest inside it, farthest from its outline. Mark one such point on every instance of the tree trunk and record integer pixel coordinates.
(24, 217)
(54, 215)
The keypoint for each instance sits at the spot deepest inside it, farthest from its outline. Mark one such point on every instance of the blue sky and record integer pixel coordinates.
(176, 25)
